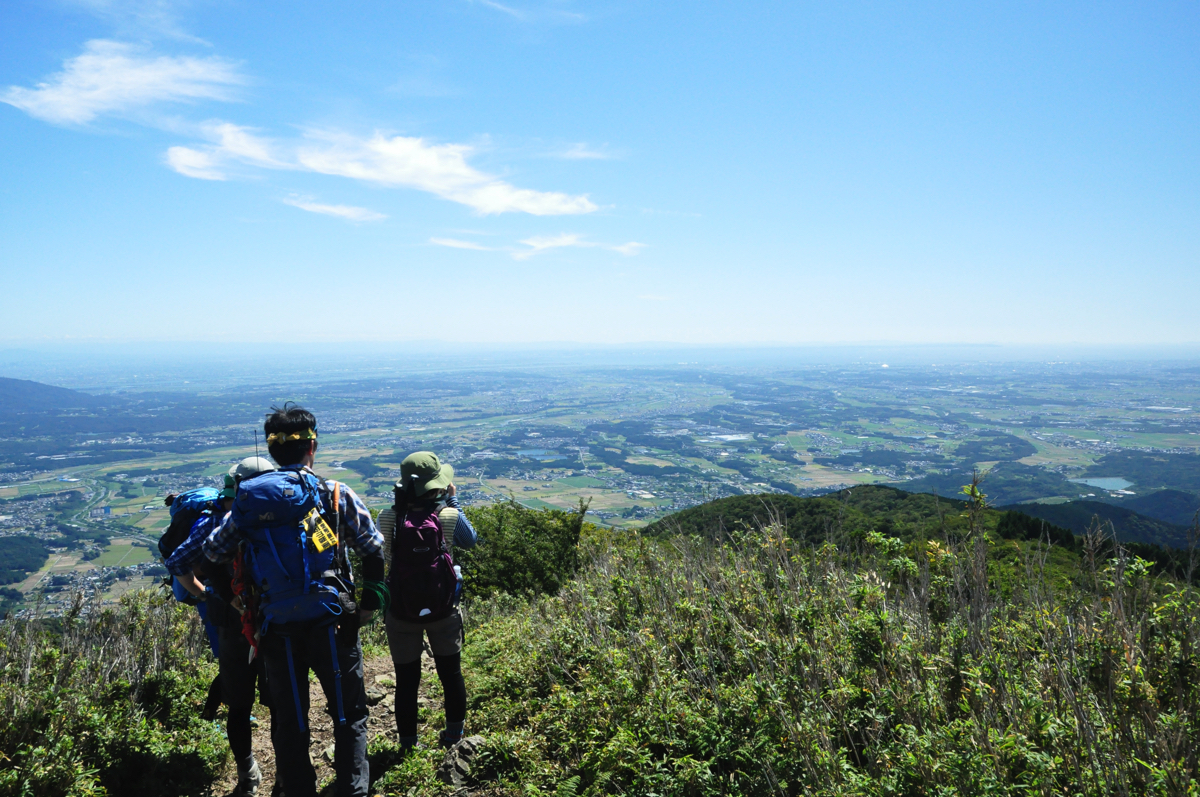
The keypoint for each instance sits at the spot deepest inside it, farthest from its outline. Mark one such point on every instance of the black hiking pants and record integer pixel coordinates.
(288, 656)
(239, 676)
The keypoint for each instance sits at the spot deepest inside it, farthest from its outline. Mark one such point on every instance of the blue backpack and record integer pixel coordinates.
(186, 509)
(296, 581)
(194, 500)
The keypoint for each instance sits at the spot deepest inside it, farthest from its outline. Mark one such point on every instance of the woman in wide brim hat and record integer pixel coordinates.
(425, 496)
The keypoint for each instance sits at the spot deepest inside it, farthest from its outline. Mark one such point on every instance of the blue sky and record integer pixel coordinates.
(611, 172)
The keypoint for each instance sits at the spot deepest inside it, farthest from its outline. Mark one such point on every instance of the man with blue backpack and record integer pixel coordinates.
(296, 529)
(212, 586)
(186, 509)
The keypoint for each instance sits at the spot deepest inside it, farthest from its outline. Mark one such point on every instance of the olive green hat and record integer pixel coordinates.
(422, 472)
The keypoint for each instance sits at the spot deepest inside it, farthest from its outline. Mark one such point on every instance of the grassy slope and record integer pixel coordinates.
(904, 662)
(765, 667)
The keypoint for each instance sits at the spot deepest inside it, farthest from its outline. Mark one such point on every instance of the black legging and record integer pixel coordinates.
(239, 678)
(408, 682)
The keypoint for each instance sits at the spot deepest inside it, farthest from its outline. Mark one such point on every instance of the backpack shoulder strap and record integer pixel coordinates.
(386, 524)
(337, 509)
(447, 520)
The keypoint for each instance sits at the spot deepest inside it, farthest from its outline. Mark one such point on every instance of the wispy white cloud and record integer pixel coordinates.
(141, 16)
(455, 243)
(243, 144)
(399, 161)
(440, 169)
(538, 13)
(348, 212)
(544, 243)
(630, 249)
(194, 163)
(114, 77)
(512, 12)
(231, 144)
(582, 151)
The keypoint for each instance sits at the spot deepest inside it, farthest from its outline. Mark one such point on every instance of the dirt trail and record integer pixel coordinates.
(381, 723)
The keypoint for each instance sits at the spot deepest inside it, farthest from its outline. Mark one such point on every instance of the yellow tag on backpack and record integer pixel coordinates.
(319, 532)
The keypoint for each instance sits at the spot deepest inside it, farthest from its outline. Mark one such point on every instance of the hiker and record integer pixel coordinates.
(212, 585)
(296, 529)
(425, 588)
(187, 508)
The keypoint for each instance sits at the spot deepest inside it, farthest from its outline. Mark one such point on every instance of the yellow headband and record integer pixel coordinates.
(278, 438)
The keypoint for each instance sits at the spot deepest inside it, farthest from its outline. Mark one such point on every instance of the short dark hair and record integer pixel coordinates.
(291, 417)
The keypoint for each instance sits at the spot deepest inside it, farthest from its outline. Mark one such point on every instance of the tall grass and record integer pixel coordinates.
(760, 666)
(106, 699)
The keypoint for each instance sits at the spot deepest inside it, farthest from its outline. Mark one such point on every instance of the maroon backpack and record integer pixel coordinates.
(422, 579)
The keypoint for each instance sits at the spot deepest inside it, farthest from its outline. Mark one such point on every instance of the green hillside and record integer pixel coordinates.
(1128, 524)
(1006, 483)
(22, 395)
(852, 513)
(1171, 506)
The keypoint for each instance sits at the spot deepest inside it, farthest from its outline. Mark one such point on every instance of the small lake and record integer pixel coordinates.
(1106, 482)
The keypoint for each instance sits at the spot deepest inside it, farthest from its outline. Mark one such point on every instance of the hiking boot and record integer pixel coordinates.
(277, 789)
(450, 738)
(249, 781)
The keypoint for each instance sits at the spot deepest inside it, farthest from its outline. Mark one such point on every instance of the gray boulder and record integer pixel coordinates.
(456, 766)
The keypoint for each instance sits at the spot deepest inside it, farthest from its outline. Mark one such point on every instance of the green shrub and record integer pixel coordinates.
(521, 551)
(765, 667)
(107, 699)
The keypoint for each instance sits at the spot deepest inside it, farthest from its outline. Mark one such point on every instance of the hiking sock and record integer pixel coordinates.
(408, 682)
(249, 777)
(449, 670)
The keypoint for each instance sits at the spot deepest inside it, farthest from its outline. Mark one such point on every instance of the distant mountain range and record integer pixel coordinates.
(22, 395)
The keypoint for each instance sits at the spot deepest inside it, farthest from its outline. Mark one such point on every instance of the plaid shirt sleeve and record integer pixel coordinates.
(363, 536)
(190, 551)
(221, 545)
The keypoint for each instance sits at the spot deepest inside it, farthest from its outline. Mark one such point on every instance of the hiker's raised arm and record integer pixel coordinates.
(465, 535)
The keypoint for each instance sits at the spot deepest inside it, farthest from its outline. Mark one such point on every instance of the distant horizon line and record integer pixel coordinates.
(26, 344)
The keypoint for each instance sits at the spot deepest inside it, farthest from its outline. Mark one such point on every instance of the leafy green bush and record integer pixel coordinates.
(683, 667)
(521, 551)
(107, 699)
